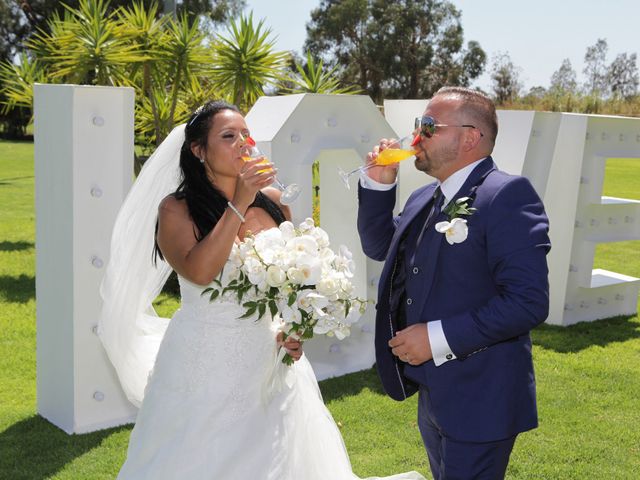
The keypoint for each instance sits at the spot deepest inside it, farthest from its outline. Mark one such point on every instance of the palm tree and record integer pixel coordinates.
(170, 74)
(17, 80)
(87, 46)
(244, 62)
(314, 79)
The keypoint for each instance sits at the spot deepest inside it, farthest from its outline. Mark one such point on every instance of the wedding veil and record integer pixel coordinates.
(129, 327)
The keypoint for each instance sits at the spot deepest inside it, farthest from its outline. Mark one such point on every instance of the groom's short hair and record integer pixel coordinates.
(479, 108)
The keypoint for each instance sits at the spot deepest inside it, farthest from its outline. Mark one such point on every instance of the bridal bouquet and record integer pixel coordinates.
(292, 273)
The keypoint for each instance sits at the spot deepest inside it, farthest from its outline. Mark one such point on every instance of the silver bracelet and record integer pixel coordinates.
(236, 211)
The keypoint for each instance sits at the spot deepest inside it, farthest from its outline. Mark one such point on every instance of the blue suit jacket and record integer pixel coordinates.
(489, 292)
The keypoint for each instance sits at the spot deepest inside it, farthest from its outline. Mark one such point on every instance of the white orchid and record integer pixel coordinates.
(287, 230)
(303, 244)
(327, 256)
(320, 236)
(344, 262)
(290, 315)
(455, 231)
(310, 267)
(307, 225)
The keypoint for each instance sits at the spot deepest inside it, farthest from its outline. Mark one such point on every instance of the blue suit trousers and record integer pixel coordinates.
(455, 460)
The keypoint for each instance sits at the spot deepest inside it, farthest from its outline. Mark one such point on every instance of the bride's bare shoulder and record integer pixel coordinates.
(173, 205)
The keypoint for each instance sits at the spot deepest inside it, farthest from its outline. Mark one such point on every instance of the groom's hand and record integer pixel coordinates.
(411, 345)
(381, 174)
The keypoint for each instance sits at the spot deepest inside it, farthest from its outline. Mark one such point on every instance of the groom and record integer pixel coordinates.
(464, 281)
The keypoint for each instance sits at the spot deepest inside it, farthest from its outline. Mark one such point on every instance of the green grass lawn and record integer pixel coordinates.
(588, 376)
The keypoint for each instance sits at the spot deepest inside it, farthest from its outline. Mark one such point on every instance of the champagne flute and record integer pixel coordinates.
(396, 151)
(289, 192)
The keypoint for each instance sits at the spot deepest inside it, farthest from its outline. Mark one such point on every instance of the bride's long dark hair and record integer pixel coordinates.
(205, 202)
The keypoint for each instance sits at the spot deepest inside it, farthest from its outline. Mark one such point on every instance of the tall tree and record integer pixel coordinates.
(564, 80)
(215, 11)
(505, 79)
(402, 49)
(595, 68)
(622, 77)
(12, 29)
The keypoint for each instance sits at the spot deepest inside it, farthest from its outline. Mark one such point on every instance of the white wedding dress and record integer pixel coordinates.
(209, 413)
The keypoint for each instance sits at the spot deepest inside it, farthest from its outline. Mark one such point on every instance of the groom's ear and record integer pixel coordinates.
(471, 139)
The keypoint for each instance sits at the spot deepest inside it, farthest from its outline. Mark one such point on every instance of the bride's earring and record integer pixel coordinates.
(201, 160)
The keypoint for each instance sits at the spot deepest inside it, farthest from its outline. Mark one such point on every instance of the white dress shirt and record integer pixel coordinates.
(439, 346)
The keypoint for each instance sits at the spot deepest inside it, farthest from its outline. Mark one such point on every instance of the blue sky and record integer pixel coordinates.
(537, 35)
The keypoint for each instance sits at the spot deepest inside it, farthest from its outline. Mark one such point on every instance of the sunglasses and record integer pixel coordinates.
(428, 126)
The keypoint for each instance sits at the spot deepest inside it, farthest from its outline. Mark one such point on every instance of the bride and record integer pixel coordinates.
(201, 380)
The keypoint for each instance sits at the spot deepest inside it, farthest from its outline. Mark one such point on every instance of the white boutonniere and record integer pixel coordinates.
(456, 229)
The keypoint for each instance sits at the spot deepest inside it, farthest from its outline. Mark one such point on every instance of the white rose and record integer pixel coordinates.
(295, 275)
(269, 243)
(346, 288)
(328, 286)
(275, 276)
(455, 231)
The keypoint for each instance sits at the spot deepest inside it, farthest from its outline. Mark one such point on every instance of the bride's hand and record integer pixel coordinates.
(291, 345)
(253, 175)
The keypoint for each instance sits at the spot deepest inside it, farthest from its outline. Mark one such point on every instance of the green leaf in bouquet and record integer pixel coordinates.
(250, 305)
(292, 298)
(273, 308)
(215, 294)
(347, 307)
(307, 334)
(206, 290)
(262, 308)
(249, 312)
